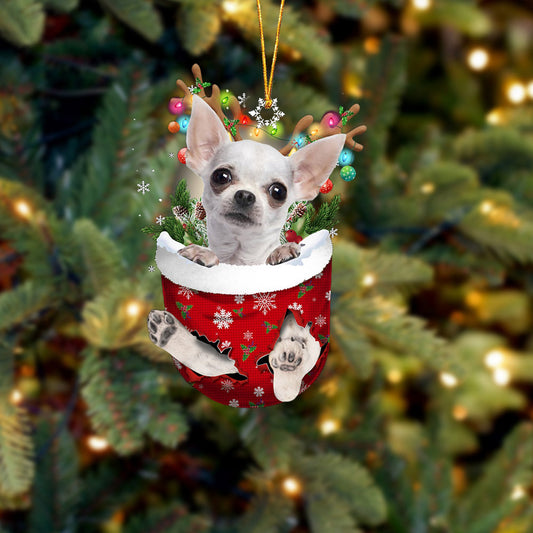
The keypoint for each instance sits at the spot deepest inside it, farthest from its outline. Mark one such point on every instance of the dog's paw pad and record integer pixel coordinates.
(162, 325)
(284, 252)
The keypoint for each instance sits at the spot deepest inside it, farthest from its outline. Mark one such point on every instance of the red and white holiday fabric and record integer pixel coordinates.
(240, 310)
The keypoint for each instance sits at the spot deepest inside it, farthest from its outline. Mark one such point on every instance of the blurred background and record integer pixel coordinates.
(421, 419)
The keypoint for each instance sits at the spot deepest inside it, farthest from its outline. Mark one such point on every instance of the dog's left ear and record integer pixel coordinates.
(313, 164)
(205, 135)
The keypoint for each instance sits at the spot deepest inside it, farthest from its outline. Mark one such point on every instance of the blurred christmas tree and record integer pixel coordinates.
(421, 420)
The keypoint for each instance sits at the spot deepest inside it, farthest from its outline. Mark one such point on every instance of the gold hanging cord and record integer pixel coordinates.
(268, 85)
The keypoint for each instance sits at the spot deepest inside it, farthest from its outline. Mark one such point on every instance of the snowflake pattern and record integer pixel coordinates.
(328, 296)
(151, 268)
(319, 275)
(333, 232)
(222, 319)
(276, 117)
(224, 345)
(143, 187)
(295, 306)
(186, 292)
(264, 302)
(259, 391)
(226, 385)
(248, 335)
(234, 403)
(242, 99)
(239, 298)
(171, 155)
(320, 320)
(159, 220)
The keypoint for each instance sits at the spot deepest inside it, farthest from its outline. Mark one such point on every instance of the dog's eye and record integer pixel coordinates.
(278, 191)
(221, 176)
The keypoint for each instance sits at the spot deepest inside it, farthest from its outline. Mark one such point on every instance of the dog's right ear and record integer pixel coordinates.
(205, 135)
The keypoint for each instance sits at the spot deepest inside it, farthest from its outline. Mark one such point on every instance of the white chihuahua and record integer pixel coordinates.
(248, 189)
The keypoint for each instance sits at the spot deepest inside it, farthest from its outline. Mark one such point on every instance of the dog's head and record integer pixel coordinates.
(248, 184)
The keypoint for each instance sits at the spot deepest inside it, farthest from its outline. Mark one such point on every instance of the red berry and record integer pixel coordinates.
(182, 154)
(298, 239)
(328, 185)
(291, 235)
(173, 127)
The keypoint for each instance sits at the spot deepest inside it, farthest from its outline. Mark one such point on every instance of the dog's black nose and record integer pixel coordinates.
(244, 198)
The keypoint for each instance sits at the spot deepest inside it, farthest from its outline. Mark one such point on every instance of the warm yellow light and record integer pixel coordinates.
(133, 308)
(293, 149)
(23, 208)
(494, 358)
(394, 375)
(478, 59)
(371, 45)
(495, 117)
(448, 380)
(518, 492)
(501, 376)
(459, 412)
(516, 92)
(422, 5)
(427, 188)
(368, 280)
(97, 444)
(329, 426)
(230, 6)
(16, 396)
(474, 299)
(291, 486)
(256, 132)
(530, 89)
(486, 207)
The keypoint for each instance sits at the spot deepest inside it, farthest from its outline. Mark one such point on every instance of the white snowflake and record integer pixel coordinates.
(248, 335)
(222, 319)
(143, 187)
(171, 155)
(179, 366)
(328, 296)
(295, 306)
(186, 292)
(319, 275)
(259, 391)
(320, 320)
(239, 299)
(151, 268)
(226, 385)
(242, 99)
(276, 117)
(303, 387)
(333, 232)
(159, 220)
(234, 403)
(192, 88)
(225, 344)
(265, 302)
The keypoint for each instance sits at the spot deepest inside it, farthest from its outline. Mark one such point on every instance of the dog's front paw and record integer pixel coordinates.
(284, 252)
(162, 325)
(199, 254)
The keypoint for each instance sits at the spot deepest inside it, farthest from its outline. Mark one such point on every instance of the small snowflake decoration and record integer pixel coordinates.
(248, 335)
(320, 320)
(226, 385)
(276, 117)
(143, 187)
(264, 302)
(225, 345)
(186, 292)
(259, 391)
(171, 155)
(328, 296)
(295, 306)
(222, 319)
(151, 268)
(333, 232)
(242, 99)
(159, 220)
(239, 298)
(234, 403)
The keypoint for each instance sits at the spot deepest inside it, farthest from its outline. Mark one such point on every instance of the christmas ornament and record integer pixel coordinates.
(176, 106)
(183, 122)
(346, 157)
(348, 173)
(182, 155)
(326, 187)
(173, 127)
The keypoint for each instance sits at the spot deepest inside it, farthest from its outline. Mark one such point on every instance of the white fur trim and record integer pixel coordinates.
(243, 279)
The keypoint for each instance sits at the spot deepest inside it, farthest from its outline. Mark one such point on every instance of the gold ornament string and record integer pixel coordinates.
(268, 85)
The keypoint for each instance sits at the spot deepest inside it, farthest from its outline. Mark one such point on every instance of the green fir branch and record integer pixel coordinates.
(325, 218)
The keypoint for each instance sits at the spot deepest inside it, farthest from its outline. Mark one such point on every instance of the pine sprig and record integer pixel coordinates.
(325, 218)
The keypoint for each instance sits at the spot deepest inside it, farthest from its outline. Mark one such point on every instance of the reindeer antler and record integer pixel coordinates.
(213, 101)
(325, 129)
